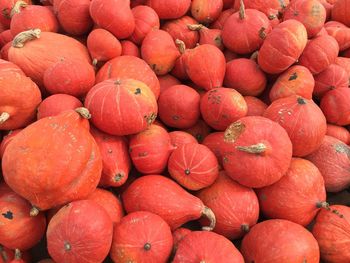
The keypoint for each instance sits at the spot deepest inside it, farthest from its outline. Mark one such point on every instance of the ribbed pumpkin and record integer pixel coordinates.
(170, 9)
(178, 138)
(206, 11)
(53, 161)
(335, 105)
(340, 12)
(340, 32)
(256, 107)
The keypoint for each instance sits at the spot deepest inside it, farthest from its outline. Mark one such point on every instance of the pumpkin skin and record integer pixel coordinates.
(332, 159)
(194, 166)
(6, 140)
(311, 13)
(338, 132)
(167, 81)
(245, 76)
(141, 237)
(256, 107)
(65, 141)
(114, 16)
(33, 16)
(297, 113)
(171, 9)
(103, 45)
(179, 106)
(19, 98)
(5, 37)
(273, 56)
(236, 207)
(220, 22)
(205, 66)
(6, 7)
(159, 51)
(340, 12)
(115, 158)
(214, 142)
(331, 231)
(206, 11)
(297, 80)
(245, 31)
(71, 239)
(200, 130)
(333, 77)
(208, 247)
(290, 242)
(56, 104)
(260, 143)
(4, 51)
(178, 235)
(108, 111)
(297, 197)
(319, 53)
(130, 49)
(129, 67)
(222, 106)
(17, 228)
(269, 7)
(335, 105)
(72, 77)
(6, 66)
(340, 32)
(150, 149)
(162, 196)
(344, 63)
(179, 138)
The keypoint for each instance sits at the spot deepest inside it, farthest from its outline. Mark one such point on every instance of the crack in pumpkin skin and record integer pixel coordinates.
(234, 131)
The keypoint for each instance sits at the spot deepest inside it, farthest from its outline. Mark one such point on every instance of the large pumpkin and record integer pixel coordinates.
(53, 161)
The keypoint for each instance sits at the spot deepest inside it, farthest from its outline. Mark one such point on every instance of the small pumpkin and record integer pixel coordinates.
(271, 8)
(167, 81)
(179, 138)
(170, 9)
(130, 49)
(338, 132)
(214, 142)
(220, 22)
(256, 107)
(208, 36)
(206, 11)
(200, 130)
(6, 7)
(335, 105)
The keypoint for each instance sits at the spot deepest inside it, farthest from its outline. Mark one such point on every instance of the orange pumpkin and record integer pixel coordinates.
(341, 11)
(340, 32)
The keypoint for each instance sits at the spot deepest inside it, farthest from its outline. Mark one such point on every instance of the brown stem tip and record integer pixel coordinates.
(4, 117)
(195, 27)
(241, 10)
(18, 254)
(180, 45)
(83, 112)
(207, 212)
(245, 228)
(34, 211)
(324, 205)
(256, 148)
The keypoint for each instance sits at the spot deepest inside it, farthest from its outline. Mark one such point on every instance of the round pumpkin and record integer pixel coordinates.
(220, 22)
(256, 107)
(340, 12)
(6, 7)
(166, 81)
(170, 9)
(200, 130)
(272, 8)
(338, 132)
(178, 138)
(340, 32)
(206, 11)
(214, 142)
(335, 105)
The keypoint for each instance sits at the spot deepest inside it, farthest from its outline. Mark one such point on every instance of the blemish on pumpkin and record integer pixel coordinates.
(342, 148)
(118, 82)
(142, 154)
(199, 137)
(293, 76)
(8, 215)
(6, 13)
(109, 71)
(295, 13)
(137, 91)
(187, 171)
(110, 150)
(331, 87)
(150, 118)
(175, 117)
(262, 33)
(301, 101)
(234, 131)
(147, 246)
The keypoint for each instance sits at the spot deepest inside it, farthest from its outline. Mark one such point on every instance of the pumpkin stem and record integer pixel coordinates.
(3, 254)
(324, 205)
(195, 27)
(94, 62)
(18, 254)
(34, 211)
(181, 45)
(67, 246)
(256, 148)
(25, 36)
(234, 131)
(254, 56)
(4, 117)
(241, 10)
(83, 112)
(211, 216)
(245, 228)
(17, 7)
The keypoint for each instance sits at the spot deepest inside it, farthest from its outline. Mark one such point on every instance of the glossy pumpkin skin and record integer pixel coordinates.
(6, 7)
(333, 77)
(331, 231)
(332, 159)
(170, 9)
(114, 16)
(70, 238)
(150, 150)
(335, 105)
(130, 49)
(319, 53)
(206, 11)
(236, 207)
(162, 196)
(141, 237)
(297, 80)
(178, 138)
(340, 32)
(257, 142)
(256, 107)
(279, 240)
(295, 113)
(340, 12)
(17, 228)
(129, 67)
(245, 76)
(214, 142)
(131, 97)
(338, 132)
(297, 197)
(65, 141)
(6, 140)
(208, 247)
(194, 166)
(274, 56)
(115, 158)
(19, 97)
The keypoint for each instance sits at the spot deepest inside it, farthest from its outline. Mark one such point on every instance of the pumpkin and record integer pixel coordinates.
(344, 63)
(179, 106)
(236, 207)
(332, 159)
(245, 31)
(194, 166)
(115, 158)
(150, 149)
(166, 81)
(70, 238)
(129, 67)
(297, 80)
(256, 107)
(6, 140)
(331, 231)
(340, 32)
(25, 17)
(338, 132)
(162, 196)
(257, 151)
(335, 105)
(295, 113)
(206, 11)
(6, 66)
(39, 174)
(4, 51)
(291, 243)
(103, 45)
(179, 138)
(333, 77)
(109, 111)
(272, 8)
(220, 22)
(222, 106)
(130, 49)
(17, 228)
(159, 51)
(245, 76)
(5, 37)
(178, 235)
(114, 16)
(214, 142)
(141, 237)
(208, 36)
(6, 8)
(170, 9)
(208, 247)
(319, 53)
(200, 130)
(282, 47)
(340, 12)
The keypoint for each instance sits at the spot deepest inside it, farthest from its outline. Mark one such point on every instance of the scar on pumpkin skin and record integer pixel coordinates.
(8, 215)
